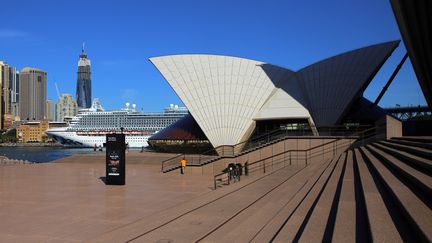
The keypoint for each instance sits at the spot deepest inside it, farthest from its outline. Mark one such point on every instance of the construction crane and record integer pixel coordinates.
(57, 89)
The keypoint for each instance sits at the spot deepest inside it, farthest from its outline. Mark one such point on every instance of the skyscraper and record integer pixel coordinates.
(49, 110)
(9, 97)
(65, 107)
(7, 75)
(83, 90)
(14, 92)
(32, 93)
(4, 80)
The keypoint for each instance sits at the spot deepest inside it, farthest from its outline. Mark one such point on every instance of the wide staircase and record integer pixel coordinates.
(377, 192)
(212, 155)
(254, 144)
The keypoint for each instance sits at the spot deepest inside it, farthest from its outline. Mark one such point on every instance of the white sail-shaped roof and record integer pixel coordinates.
(331, 85)
(223, 93)
(281, 105)
(287, 100)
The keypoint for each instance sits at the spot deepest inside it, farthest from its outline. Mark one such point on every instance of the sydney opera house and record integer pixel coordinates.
(232, 99)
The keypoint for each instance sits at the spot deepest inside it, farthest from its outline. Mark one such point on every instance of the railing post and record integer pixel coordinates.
(290, 157)
(323, 152)
(272, 156)
(334, 148)
(284, 153)
(214, 179)
(306, 157)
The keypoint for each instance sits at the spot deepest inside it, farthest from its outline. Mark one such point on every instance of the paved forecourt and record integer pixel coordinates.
(67, 200)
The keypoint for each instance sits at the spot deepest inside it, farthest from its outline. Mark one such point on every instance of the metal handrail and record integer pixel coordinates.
(240, 147)
(308, 154)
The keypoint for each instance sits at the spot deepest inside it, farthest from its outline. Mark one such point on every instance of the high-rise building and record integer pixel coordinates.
(49, 110)
(7, 73)
(9, 97)
(32, 94)
(4, 78)
(83, 90)
(14, 92)
(66, 107)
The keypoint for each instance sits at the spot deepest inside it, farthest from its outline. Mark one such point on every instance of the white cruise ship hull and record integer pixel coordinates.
(72, 138)
(91, 125)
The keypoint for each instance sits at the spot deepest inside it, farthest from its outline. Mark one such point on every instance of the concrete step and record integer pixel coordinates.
(411, 143)
(415, 139)
(157, 220)
(345, 225)
(205, 162)
(208, 161)
(415, 212)
(418, 181)
(415, 161)
(380, 221)
(200, 222)
(292, 227)
(194, 162)
(276, 224)
(253, 219)
(421, 152)
(324, 211)
(169, 169)
(363, 231)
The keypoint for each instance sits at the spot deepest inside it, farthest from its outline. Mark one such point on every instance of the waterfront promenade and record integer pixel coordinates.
(67, 201)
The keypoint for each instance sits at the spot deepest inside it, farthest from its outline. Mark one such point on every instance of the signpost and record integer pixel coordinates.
(115, 159)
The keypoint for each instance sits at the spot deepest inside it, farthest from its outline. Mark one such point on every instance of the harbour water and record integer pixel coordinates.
(41, 154)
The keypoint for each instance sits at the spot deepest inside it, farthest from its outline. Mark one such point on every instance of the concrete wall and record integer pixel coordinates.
(388, 127)
(394, 127)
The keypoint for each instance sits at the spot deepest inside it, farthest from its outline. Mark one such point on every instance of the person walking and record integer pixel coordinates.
(239, 171)
(183, 165)
(230, 174)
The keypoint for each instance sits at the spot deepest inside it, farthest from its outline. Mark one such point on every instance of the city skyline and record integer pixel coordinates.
(120, 40)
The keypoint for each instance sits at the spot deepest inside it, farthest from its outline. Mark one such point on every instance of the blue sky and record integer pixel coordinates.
(120, 36)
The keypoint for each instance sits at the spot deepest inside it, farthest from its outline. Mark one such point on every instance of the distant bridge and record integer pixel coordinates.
(407, 112)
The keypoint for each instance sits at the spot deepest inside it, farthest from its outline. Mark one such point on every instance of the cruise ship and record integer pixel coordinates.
(90, 126)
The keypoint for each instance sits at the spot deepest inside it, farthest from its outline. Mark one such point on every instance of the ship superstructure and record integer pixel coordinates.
(90, 126)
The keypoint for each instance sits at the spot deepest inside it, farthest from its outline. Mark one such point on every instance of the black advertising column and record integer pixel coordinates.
(115, 159)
